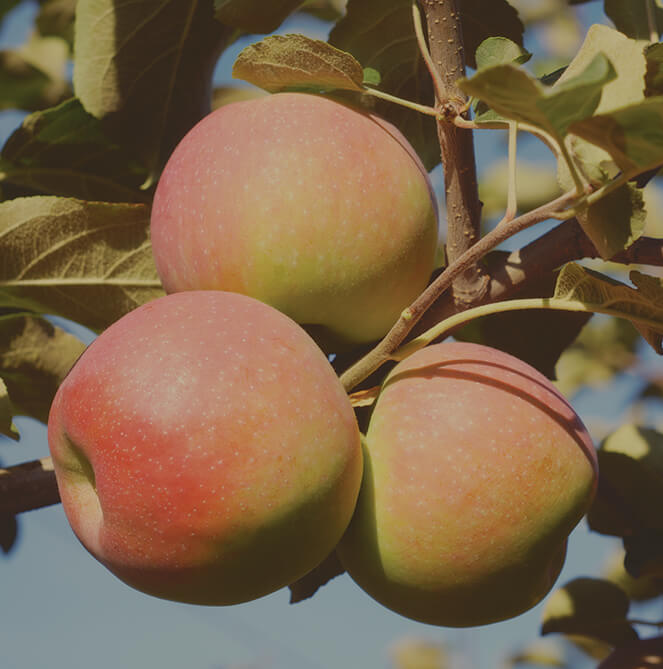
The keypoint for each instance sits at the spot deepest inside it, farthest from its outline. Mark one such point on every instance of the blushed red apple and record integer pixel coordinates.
(205, 450)
(476, 471)
(318, 209)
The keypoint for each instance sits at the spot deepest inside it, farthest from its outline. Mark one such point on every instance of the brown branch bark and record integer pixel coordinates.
(463, 206)
(28, 486)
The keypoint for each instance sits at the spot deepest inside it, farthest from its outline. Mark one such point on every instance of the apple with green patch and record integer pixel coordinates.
(205, 450)
(321, 210)
(476, 471)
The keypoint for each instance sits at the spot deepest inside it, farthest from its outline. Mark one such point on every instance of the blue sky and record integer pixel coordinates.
(63, 610)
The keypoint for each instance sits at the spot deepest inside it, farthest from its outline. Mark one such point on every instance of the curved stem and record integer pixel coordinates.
(468, 315)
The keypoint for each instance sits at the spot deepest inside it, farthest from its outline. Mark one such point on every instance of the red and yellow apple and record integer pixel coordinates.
(205, 450)
(321, 210)
(476, 471)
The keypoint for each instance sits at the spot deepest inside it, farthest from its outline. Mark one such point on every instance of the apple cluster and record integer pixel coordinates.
(205, 449)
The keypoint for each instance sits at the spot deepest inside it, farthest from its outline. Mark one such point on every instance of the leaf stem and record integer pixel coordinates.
(424, 109)
(381, 353)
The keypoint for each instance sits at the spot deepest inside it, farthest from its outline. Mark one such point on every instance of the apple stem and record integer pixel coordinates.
(382, 352)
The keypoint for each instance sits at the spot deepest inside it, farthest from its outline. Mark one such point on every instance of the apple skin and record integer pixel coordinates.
(318, 209)
(476, 470)
(204, 449)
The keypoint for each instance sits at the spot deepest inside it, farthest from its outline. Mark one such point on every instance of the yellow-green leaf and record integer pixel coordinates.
(35, 356)
(295, 61)
(89, 262)
(643, 305)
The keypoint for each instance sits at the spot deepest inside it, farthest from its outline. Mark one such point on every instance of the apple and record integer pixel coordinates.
(476, 471)
(204, 449)
(321, 210)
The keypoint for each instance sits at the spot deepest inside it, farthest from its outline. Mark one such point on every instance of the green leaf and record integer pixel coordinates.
(632, 135)
(146, 68)
(500, 51)
(64, 151)
(630, 18)
(89, 262)
(516, 95)
(597, 292)
(630, 483)
(282, 62)
(7, 427)
(589, 607)
(254, 16)
(35, 356)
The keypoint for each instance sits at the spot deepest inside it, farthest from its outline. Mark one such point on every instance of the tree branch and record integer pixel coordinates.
(463, 206)
(28, 486)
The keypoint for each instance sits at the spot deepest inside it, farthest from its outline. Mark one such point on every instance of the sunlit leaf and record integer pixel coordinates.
(627, 58)
(642, 306)
(516, 95)
(589, 607)
(284, 62)
(146, 68)
(64, 151)
(89, 262)
(35, 356)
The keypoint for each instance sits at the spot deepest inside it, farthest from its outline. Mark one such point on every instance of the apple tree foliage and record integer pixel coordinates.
(78, 174)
